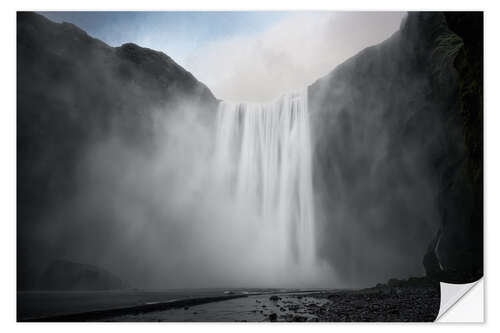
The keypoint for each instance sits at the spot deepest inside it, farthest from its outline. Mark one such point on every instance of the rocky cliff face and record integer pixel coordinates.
(74, 90)
(456, 254)
(389, 140)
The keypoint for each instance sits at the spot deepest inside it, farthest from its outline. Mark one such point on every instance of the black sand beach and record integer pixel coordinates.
(411, 300)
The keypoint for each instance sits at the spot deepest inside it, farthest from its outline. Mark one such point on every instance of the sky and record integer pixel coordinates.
(245, 56)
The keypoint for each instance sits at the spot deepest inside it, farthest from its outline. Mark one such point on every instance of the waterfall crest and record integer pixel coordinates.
(262, 160)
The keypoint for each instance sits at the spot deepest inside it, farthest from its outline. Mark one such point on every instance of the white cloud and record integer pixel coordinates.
(291, 54)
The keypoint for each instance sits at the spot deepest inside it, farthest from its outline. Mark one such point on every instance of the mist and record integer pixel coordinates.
(289, 55)
(157, 218)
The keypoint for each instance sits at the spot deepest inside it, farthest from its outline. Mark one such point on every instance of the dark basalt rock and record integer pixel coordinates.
(412, 300)
(459, 243)
(66, 275)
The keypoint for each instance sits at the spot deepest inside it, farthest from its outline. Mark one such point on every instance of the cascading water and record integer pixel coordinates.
(263, 162)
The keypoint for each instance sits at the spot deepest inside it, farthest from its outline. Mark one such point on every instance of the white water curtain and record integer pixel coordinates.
(262, 160)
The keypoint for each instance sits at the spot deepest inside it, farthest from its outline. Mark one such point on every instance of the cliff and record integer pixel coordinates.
(392, 144)
(74, 90)
(456, 254)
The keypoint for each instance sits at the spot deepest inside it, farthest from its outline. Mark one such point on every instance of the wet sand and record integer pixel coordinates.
(252, 308)
(55, 304)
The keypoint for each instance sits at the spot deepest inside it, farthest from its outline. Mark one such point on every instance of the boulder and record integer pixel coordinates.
(67, 275)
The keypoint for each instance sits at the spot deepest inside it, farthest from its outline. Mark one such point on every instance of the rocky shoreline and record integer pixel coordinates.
(379, 304)
(412, 300)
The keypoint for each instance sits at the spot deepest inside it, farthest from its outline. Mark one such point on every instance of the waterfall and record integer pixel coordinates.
(262, 160)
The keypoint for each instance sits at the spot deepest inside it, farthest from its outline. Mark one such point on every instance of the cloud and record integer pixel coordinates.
(291, 54)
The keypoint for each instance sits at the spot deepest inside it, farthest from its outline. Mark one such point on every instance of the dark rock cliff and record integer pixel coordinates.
(456, 254)
(391, 144)
(73, 90)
